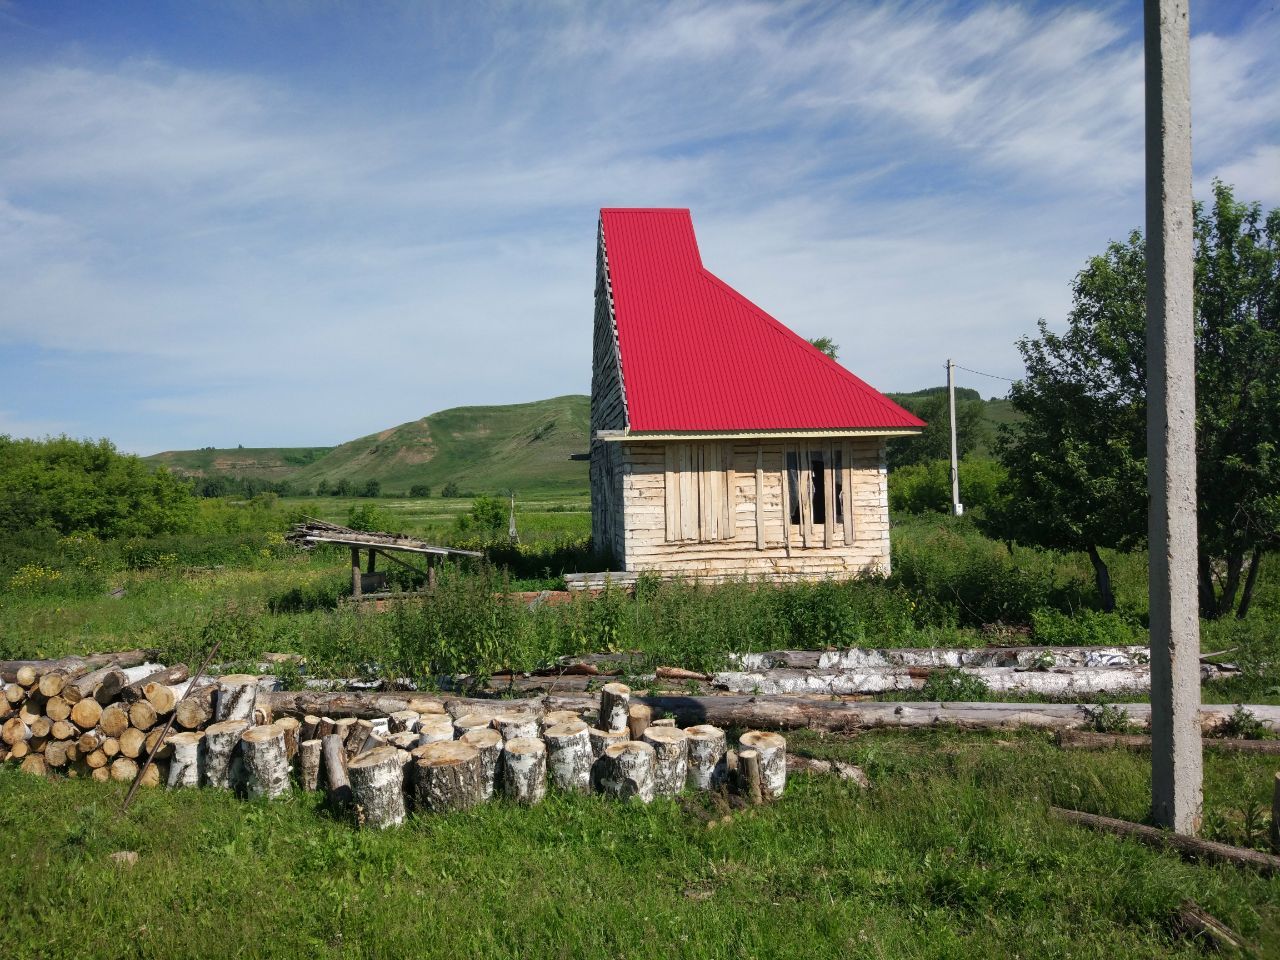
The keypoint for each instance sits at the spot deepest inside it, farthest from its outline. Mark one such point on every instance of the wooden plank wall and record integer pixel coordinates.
(608, 412)
(657, 501)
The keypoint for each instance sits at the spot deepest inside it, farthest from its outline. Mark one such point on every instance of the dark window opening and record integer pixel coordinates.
(818, 488)
(837, 457)
(793, 486)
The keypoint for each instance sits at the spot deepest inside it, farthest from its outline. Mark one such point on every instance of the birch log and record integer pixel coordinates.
(114, 720)
(468, 722)
(488, 743)
(772, 748)
(435, 728)
(516, 726)
(196, 708)
(615, 699)
(524, 770)
(290, 726)
(670, 759)
(335, 771)
(402, 721)
(639, 716)
(184, 765)
(142, 715)
(309, 764)
(160, 696)
(266, 762)
(237, 695)
(377, 788)
(556, 717)
(707, 745)
(600, 739)
(448, 775)
(569, 756)
(221, 743)
(131, 743)
(626, 771)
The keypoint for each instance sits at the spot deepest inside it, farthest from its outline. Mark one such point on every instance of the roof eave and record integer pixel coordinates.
(634, 436)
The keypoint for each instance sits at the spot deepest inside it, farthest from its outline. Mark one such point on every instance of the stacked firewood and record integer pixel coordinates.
(96, 716)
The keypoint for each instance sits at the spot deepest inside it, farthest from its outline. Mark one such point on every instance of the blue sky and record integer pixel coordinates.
(300, 222)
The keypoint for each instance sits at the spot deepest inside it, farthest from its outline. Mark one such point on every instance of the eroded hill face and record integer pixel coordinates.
(524, 446)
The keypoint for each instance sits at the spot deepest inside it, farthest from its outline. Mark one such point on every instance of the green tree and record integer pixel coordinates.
(322, 488)
(342, 488)
(827, 346)
(369, 517)
(450, 490)
(487, 514)
(85, 486)
(934, 442)
(1077, 461)
(420, 490)
(371, 488)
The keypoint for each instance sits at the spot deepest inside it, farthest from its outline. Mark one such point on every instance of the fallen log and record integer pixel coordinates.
(1088, 740)
(167, 675)
(1063, 682)
(1187, 846)
(73, 665)
(1196, 923)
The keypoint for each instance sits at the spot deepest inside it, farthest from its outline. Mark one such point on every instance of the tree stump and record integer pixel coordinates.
(464, 722)
(221, 741)
(488, 743)
(569, 756)
(615, 699)
(309, 764)
(434, 729)
(772, 748)
(639, 716)
(554, 718)
(626, 771)
(185, 765)
(670, 759)
(600, 739)
(377, 788)
(448, 775)
(707, 746)
(236, 698)
(266, 762)
(524, 770)
(516, 726)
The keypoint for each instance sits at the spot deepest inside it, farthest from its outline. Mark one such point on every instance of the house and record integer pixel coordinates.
(723, 444)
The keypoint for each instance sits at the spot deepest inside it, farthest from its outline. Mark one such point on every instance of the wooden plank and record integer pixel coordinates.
(805, 483)
(786, 507)
(829, 498)
(688, 493)
(728, 519)
(847, 469)
(760, 498)
(355, 573)
(671, 491)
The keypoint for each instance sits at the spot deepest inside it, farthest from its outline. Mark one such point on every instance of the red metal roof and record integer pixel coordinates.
(699, 356)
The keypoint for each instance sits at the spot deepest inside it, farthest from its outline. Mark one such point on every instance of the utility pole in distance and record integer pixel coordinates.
(1176, 761)
(957, 508)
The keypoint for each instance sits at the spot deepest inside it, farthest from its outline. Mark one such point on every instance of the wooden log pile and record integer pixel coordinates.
(100, 717)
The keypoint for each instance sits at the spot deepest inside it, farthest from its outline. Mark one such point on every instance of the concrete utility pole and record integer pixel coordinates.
(957, 508)
(1176, 763)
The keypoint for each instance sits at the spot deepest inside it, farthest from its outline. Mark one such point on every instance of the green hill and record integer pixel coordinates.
(524, 446)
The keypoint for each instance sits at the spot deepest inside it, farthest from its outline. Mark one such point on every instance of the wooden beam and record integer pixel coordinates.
(846, 468)
(829, 498)
(355, 572)
(760, 498)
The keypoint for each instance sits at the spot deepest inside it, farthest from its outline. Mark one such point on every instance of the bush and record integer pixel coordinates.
(926, 487)
(1086, 628)
(450, 490)
(420, 490)
(487, 514)
(369, 517)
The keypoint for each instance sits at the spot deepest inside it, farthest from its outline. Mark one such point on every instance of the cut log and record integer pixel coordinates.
(488, 743)
(237, 695)
(309, 764)
(749, 775)
(33, 763)
(160, 696)
(569, 756)
(326, 727)
(625, 771)
(335, 771)
(516, 726)
(55, 753)
(15, 731)
(600, 739)
(96, 758)
(435, 728)
(163, 749)
(86, 713)
(468, 722)
(31, 669)
(357, 736)
(57, 708)
(195, 710)
(425, 705)
(266, 762)
(185, 763)
(639, 716)
(291, 727)
(664, 722)
(670, 759)
(86, 685)
(772, 748)
(131, 743)
(142, 715)
(377, 788)
(124, 770)
(707, 746)
(89, 742)
(19, 750)
(679, 673)
(1087, 740)
(114, 720)
(63, 730)
(14, 693)
(101, 774)
(137, 690)
(221, 750)
(524, 770)
(40, 727)
(448, 775)
(402, 721)
(615, 699)
(51, 682)
(554, 718)
(31, 709)
(310, 726)
(110, 746)
(1196, 923)
(404, 740)
(152, 776)
(1029, 658)
(1187, 846)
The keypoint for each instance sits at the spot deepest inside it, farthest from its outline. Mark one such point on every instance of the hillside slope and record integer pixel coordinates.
(524, 446)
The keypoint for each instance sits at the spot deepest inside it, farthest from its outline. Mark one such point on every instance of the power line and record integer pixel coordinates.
(993, 376)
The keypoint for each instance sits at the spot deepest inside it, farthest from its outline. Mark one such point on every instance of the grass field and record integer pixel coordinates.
(949, 855)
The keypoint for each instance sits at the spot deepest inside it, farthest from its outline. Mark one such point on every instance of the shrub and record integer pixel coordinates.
(420, 490)
(369, 517)
(926, 487)
(1086, 628)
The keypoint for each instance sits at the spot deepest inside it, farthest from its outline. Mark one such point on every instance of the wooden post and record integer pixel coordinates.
(957, 508)
(372, 566)
(1176, 761)
(355, 573)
